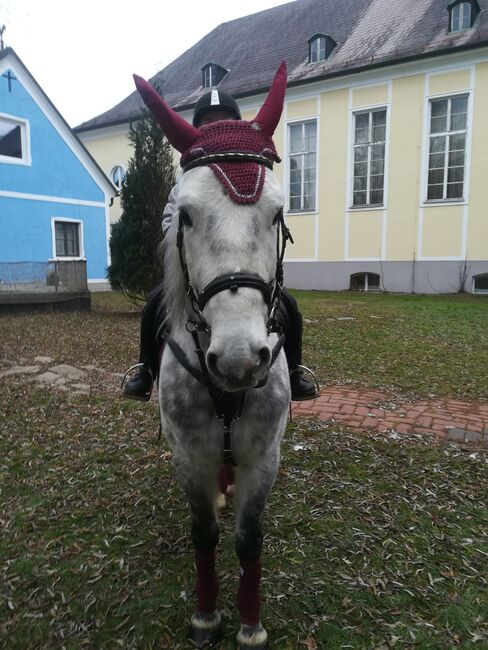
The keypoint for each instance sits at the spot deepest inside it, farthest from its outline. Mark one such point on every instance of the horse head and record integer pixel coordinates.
(228, 229)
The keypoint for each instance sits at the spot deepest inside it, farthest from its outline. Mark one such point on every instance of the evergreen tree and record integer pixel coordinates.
(136, 266)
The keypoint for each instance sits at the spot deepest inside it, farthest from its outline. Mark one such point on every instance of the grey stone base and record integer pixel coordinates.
(396, 277)
(103, 285)
(44, 303)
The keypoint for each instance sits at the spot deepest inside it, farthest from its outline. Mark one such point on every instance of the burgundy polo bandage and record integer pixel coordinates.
(226, 478)
(207, 582)
(248, 600)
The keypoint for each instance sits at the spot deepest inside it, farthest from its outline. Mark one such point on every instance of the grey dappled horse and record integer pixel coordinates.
(228, 402)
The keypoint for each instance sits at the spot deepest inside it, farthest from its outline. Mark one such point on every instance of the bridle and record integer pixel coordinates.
(228, 406)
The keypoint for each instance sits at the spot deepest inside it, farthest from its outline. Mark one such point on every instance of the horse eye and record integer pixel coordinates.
(185, 217)
(278, 216)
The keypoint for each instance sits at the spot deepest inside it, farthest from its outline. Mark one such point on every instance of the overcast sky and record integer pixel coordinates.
(83, 54)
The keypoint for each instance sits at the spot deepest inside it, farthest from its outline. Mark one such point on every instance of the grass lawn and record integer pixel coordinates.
(371, 541)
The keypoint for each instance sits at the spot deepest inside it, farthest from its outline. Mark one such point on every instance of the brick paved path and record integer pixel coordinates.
(370, 409)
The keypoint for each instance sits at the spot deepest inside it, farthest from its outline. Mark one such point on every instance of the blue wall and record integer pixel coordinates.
(55, 170)
(26, 234)
(25, 224)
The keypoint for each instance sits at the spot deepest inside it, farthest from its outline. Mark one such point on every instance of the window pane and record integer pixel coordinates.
(359, 198)
(377, 182)
(361, 169)
(455, 190)
(360, 183)
(456, 18)
(438, 144)
(436, 176)
(438, 119)
(379, 126)
(436, 161)
(457, 142)
(360, 154)
(296, 140)
(376, 197)
(456, 158)
(455, 175)
(311, 136)
(435, 192)
(67, 239)
(361, 134)
(459, 110)
(378, 151)
(10, 139)
(465, 19)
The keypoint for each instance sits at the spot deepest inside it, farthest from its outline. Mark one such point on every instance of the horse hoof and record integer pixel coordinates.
(252, 637)
(205, 630)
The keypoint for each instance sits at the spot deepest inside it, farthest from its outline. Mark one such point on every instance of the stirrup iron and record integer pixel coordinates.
(137, 365)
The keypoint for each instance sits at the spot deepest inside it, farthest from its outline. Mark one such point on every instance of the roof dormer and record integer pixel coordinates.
(320, 47)
(462, 14)
(213, 73)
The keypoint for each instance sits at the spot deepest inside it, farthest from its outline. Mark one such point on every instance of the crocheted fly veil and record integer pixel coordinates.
(224, 146)
(236, 151)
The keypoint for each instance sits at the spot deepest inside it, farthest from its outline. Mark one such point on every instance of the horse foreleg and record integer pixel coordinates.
(205, 624)
(252, 488)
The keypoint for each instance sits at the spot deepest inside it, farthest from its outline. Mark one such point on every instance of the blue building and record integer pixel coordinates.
(54, 198)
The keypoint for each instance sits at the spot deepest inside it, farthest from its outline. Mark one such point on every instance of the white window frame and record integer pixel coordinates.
(209, 73)
(290, 123)
(479, 292)
(117, 166)
(55, 257)
(447, 134)
(25, 141)
(368, 111)
(461, 12)
(318, 44)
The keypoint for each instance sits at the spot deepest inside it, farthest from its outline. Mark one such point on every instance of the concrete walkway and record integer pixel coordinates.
(370, 409)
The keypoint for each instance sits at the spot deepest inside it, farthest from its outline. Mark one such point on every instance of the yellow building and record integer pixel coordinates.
(384, 135)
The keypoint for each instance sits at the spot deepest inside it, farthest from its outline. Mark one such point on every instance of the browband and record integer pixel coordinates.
(229, 157)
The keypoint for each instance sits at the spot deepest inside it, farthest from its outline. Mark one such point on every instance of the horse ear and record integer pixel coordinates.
(179, 132)
(270, 113)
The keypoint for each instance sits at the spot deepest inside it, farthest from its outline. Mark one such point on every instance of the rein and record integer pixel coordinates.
(229, 405)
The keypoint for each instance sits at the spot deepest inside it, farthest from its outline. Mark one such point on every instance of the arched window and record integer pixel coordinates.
(480, 283)
(320, 47)
(365, 282)
(462, 15)
(117, 176)
(212, 75)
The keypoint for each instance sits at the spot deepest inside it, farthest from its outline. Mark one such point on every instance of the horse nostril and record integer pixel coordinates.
(264, 357)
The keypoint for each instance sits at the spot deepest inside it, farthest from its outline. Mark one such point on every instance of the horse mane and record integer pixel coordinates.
(175, 297)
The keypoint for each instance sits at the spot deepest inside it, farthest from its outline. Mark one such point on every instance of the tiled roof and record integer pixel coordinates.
(368, 33)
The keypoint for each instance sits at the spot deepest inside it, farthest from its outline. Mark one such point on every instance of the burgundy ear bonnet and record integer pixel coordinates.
(243, 180)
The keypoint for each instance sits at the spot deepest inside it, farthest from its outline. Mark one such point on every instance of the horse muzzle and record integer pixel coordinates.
(237, 368)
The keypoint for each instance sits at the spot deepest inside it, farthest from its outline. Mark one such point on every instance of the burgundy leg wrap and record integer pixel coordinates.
(248, 600)
(226, 478)
(207, 581)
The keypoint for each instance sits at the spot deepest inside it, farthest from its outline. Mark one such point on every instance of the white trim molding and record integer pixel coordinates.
(24, 138)
(51, 199)
(60, 258)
